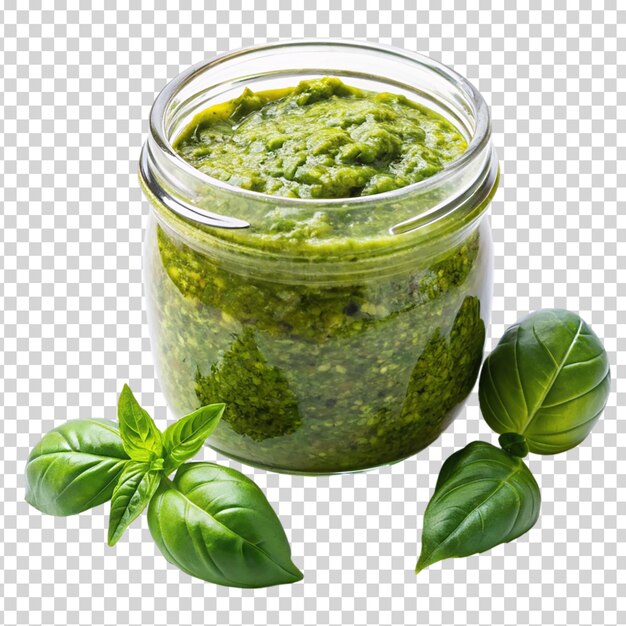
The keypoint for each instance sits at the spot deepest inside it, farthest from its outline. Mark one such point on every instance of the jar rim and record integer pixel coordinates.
(477, 144)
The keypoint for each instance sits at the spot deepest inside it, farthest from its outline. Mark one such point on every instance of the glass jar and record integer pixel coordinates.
(342, 334)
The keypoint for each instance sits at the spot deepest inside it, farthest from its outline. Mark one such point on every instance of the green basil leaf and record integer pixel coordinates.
(484, 497)
(75, 467)
(214, 523)
(548, 379)
(142, 439)
(183, 439)
(135, 488)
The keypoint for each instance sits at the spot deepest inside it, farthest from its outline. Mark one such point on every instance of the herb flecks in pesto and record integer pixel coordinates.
(268, 408)
(318, 378)
(327, 371)
(321, 139)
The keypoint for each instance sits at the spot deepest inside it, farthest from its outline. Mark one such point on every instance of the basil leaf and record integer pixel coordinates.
(183, 439)
(141, 437)
(214, 523)
(75, 467)
(484, 497)
(132, 493)
(548, 379)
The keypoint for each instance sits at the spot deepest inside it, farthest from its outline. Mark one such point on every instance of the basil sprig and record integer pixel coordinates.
(210, 521)
(542, 389)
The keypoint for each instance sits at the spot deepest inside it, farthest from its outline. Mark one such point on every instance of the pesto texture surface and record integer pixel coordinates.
(321, 139)
(318, 378)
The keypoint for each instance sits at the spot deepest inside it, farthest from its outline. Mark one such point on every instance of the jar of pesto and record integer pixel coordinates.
(317, 255)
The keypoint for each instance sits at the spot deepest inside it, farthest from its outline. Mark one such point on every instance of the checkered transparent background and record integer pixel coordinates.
(76, 88)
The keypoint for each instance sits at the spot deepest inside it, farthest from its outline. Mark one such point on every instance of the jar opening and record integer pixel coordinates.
(462, 185)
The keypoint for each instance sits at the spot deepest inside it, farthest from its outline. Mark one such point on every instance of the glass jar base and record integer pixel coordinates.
(313, 472)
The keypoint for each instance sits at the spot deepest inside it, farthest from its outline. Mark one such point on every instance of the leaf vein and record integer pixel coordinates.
(495, 388)
(201, 546)
(115, 477)
(543, 345)
(517, 369)
(230, 530)
(580, 395)
(567, 430)
(78, 475)
(459, 527)
(554, 377)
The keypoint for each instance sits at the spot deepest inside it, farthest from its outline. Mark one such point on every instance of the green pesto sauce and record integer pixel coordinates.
(321, 139)
(318, 376)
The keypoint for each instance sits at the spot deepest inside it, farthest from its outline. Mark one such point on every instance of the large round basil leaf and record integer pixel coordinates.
(75, 467)
(548, 379)
(484, 497)
(214, 523)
